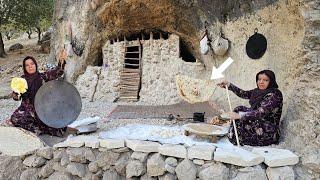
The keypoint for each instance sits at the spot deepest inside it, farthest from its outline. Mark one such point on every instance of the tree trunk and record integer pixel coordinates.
(39, 34)
(2, 52)
(29, 32)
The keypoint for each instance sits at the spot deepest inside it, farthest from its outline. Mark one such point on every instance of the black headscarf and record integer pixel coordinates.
(257, 95)
(34, 80)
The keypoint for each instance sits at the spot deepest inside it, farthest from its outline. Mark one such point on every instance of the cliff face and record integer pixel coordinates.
(291, 29)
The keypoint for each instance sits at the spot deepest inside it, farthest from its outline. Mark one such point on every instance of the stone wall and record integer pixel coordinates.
(160, 62)
(111, 159)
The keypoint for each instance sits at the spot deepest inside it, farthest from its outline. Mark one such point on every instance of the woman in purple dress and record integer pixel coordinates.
(25, 116)
(257, 125)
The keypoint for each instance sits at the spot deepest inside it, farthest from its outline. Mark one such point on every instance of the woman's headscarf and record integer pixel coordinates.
(34, 80)
(257, 95)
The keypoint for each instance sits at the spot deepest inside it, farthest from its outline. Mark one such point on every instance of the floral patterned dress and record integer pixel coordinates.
(259, 125)
(25, 116)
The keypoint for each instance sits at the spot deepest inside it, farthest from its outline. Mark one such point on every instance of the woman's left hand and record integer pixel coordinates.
(233, 115)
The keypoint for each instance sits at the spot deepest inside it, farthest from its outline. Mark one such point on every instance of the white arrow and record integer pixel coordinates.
(217, 73)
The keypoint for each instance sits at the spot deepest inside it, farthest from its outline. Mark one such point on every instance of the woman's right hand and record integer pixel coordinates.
(223, 84)
(15, 96)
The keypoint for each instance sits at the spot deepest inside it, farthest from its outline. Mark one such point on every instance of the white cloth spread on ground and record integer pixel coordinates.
(162, 134)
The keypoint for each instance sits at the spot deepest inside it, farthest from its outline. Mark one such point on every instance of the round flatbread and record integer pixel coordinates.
(194, 90)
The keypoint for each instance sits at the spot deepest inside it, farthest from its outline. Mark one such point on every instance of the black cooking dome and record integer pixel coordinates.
(256, 46)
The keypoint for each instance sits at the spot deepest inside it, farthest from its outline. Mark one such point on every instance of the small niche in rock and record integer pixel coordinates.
(146, 36)
(134, 37)
(165, 35)
(99, 59)
(156, 35)
(185, 54)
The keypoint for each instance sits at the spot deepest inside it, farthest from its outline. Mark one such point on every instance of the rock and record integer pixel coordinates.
(186, 170)
(201, 152)
(216, 171)
(57, 167)
(135, 168)
(156, 165)
(18, 142)
(75, 142)
(97, 176)
(15, 47)
(143, 146)
(60, 176)
(46, 152)
(121, 164)
(173, 150)
(311, 161)
(121, 150)
(106, 159)
(77, 169)
(80, 155)
(29, 174)
(34, 161)
(57, 155)
(65, 161)
(93, 167)
(47, 169)
(237, 156)
(170, 169)
(171, 161)
(252, 173)
(199, 162)
(280, 173)
(168, 177)
(146, 177)
(10, 167)
(274, 157)
(111, 143)
(142, 157)
(92, 144)
(111, 175)
(88, 176)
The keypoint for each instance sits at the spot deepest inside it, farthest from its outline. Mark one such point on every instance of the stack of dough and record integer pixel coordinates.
(194, 90)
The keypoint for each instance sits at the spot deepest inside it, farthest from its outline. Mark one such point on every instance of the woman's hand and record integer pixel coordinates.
(233, 115)
(223, 84)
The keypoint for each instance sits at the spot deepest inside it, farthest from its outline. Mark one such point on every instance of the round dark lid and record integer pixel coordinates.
(256, 46)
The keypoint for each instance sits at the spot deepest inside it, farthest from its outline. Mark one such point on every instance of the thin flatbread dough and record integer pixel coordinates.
(194, 90)
(17, 142)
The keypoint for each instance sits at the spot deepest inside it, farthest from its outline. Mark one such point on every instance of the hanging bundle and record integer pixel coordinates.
(220, 46)
(204, 45)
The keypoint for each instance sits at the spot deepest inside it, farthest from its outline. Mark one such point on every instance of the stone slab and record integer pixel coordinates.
(111, 143)
(142, 146)
(201, 152)
(178, 151)
(276, 173)
(237, 156)
(16, 142)
(274, 157)
(78, 141)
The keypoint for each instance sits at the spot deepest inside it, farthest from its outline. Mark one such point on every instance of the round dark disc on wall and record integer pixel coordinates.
(256, 46)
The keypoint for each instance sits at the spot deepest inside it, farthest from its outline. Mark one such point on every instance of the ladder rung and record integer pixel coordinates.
(132, 58)
(132, 64)
(133, 52)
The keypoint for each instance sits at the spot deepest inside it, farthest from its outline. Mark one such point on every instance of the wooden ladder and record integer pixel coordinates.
(130, 75)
